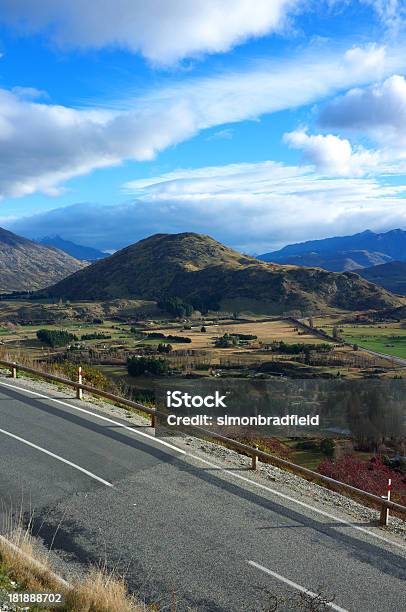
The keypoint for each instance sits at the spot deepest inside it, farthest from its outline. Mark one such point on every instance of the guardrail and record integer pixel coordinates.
(369, 499)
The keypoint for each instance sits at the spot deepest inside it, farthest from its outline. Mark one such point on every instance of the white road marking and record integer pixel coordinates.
(98, 416)
(214, 465)
(298, 502)
(294, 585)
(47, 452)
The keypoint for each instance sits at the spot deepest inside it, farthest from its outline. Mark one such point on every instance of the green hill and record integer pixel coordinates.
(207, 274)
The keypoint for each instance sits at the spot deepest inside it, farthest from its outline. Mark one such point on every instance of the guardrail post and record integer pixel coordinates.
(14, 370)
(254, 459)
(384, 517)
(79, 392)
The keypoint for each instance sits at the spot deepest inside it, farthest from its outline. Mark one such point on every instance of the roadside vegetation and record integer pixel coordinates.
(98, 591)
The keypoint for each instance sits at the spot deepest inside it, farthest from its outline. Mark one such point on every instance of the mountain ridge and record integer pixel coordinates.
(207, 274)
(78, 251)
(390, 276)
(384, 245)
(28, 266)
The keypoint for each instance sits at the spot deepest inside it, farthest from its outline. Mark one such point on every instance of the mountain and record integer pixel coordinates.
(207, 274)
(27, 266)
(391, 276)
(74, 250)
(365, 249)
(339, 261)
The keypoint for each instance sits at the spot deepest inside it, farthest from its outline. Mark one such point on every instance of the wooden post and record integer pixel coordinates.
(153, 420)
(79, 392)
(14, 370)
(254, 459)
(384, 518)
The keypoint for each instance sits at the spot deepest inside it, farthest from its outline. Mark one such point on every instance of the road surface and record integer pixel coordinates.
(177, 524)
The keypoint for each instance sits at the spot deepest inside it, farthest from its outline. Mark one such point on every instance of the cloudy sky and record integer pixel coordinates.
(260, 123)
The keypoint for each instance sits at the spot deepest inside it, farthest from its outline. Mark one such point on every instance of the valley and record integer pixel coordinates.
(184, 307)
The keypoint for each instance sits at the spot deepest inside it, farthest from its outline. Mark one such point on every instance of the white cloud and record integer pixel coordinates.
(225, 134)
(164, 31)
(252, 207)
(30, 93)
(42, 145)
(391, 12)
(379, 111)
(333, 155)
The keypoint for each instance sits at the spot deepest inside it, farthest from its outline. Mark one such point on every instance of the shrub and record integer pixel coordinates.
(371, 476)
(95, 336)
(226, 341)
(327, 446)
(164, 348)
(136, 366)
(246, 336)
(306, 444)
(155, 335)
(55, 338)
(299, 347)
(182, 339)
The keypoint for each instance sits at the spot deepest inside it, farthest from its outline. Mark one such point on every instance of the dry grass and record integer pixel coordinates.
(27, 566)
(100, 590)
(266, 331)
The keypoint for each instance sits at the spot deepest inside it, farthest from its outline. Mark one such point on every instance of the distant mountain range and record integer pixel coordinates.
(27, 266)
(377, 257)
(207, 274)
(360, 248)
(77, 251)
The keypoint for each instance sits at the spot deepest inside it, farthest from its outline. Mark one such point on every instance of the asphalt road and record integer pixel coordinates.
(176, 524)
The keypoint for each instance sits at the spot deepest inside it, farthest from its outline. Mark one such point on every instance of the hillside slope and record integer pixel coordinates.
(207, 274)
(27, 266)
(391, 276)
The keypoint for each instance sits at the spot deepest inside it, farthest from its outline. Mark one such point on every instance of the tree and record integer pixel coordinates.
(176, 306)
(164, 348)
(327, 446)
(136, 366)
(55, 337)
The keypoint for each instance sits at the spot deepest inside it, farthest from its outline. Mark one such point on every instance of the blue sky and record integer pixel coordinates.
(258, 123)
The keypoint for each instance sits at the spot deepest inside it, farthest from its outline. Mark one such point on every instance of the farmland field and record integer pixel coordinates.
(387, 338)
(266, 331)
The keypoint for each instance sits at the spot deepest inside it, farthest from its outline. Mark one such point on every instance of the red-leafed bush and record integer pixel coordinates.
(371, 476)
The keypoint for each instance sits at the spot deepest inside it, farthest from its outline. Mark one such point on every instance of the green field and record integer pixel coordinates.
(390, 340)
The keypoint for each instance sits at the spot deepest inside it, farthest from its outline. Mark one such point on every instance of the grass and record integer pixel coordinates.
(307, 458)
(387, 339)
(23, 568)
